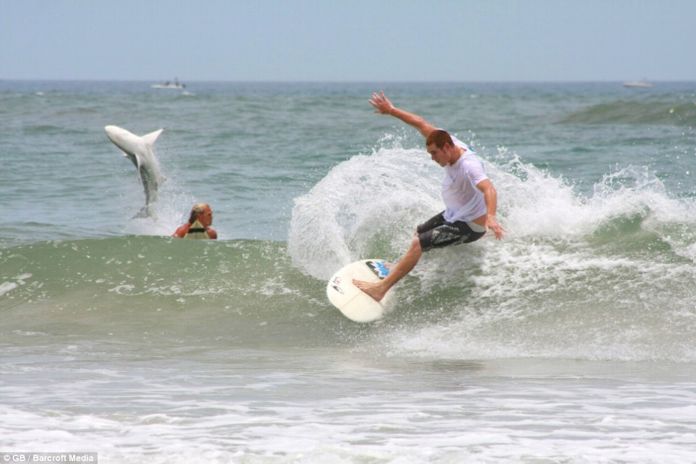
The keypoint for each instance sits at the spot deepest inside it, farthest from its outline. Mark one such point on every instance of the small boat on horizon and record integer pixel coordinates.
(638, 84)
(176, 85)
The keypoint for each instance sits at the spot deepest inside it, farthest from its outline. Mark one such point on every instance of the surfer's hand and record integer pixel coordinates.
(497, 229)
(381, 103)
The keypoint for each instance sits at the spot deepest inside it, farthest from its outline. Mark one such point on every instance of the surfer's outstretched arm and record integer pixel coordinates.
(384, 106)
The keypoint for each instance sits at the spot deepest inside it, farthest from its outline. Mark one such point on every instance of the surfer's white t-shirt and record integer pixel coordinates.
(463, 201)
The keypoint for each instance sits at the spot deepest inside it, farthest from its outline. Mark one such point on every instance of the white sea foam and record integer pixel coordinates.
(361, 200)
(565, 282)
(169, 212)
(217, 412)
(7, 287)
(17, 281)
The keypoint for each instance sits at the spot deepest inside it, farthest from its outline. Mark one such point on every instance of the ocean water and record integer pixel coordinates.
(573, 340)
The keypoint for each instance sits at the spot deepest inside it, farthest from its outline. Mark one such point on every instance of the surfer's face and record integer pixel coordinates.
(206, 217)
(440, 155)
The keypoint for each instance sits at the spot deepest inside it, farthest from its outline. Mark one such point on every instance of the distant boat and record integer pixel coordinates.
(176, 85)
(638, 84)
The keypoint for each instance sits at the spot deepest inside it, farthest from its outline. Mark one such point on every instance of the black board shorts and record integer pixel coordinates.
(438, 233)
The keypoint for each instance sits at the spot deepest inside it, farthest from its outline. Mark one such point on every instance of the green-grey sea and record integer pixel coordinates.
(573, 340)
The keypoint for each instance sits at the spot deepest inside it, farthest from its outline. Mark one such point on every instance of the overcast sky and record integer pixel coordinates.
(348, 40)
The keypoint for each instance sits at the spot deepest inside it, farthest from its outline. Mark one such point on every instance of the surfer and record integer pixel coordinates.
(469, 196)
(198, 225)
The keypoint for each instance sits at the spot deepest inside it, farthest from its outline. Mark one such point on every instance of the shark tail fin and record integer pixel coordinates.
(145, 212)
(152, 136)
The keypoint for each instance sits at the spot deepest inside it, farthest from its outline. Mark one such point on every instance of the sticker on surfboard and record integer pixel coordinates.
(349, 299)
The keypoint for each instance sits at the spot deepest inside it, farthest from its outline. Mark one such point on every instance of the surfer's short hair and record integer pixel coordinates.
(440, 138)
(197, 210)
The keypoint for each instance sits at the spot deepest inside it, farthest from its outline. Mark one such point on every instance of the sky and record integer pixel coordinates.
(348, 40)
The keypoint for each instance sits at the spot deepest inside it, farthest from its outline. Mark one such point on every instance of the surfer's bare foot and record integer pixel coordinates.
(373, 289)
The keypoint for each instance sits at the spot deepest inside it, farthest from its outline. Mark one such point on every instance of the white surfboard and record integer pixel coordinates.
(349, 299)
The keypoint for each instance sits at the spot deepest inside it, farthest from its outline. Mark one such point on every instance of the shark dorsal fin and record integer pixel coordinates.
(152, 136)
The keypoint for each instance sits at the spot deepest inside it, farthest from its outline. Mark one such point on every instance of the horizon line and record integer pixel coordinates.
(358, 81)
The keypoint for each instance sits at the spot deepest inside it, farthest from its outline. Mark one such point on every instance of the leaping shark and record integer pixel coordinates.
(140, 151)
